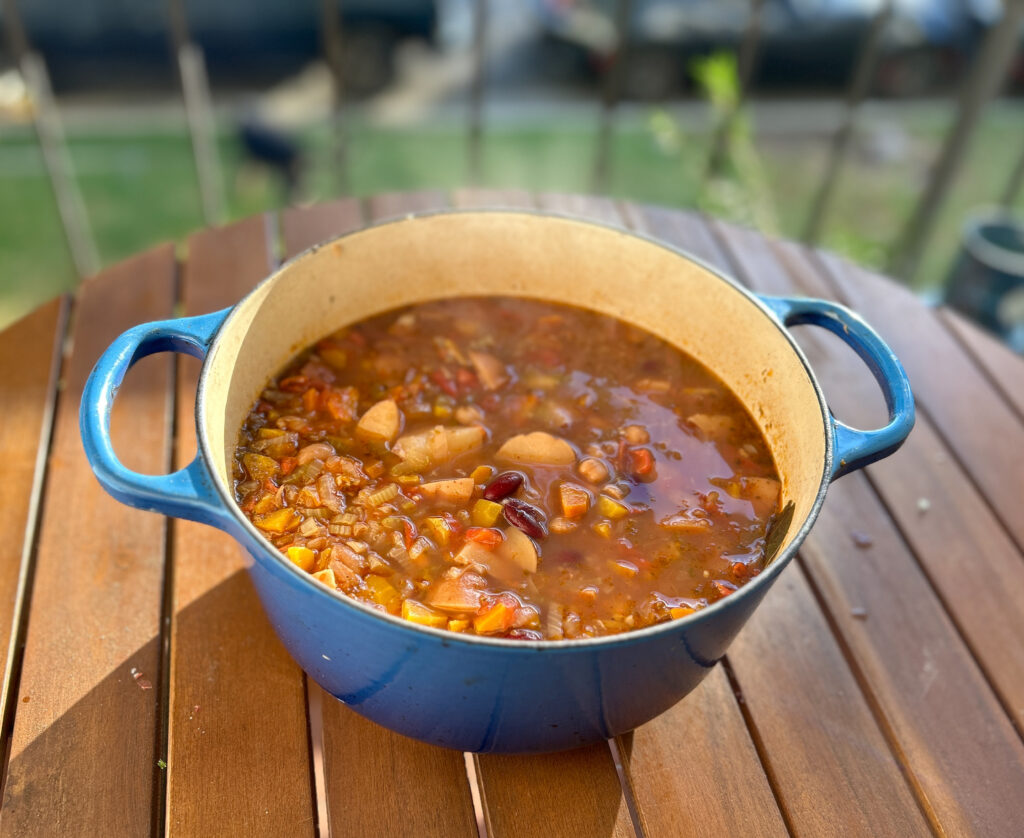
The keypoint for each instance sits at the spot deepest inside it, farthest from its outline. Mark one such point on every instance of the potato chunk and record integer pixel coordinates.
(425, 449)
(382, 422)
(457, 491)
(491, 371)
(519, 548)
(538, 448)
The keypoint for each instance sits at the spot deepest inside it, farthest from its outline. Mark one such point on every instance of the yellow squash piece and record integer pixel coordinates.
(302, 557)
(486, 513)
(260, 466)
(611, 508)
(283, 520)
(417, 612)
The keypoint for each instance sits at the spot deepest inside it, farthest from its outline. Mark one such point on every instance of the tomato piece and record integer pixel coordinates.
(641, 463)
(288, 465)
(486, 536)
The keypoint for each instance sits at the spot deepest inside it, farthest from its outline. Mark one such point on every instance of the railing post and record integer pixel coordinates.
(334, 52)
(53, 144)
(859, 86)
(747, 60)
(202, 128)
(986, 75)
(476, 92)
(1015, 183)
(611, 94)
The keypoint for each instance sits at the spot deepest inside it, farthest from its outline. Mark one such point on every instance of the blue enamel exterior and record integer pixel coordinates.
(471, 693)
(187, 493)
(853, 448)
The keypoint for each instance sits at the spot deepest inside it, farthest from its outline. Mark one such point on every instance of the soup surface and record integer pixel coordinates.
(510, 468)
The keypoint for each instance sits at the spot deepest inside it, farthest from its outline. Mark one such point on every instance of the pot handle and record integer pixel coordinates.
(852, 448)
(186, 493)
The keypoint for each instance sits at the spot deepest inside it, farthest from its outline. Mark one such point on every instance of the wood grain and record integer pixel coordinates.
(574, 794)
(597, 208)
(83, 749)
(29, 363)
(959, 746)
(302, 227)
(476, 198)
(238, 752)
(957, 533)
(799, 692)
(359, 757)
(701, 751)
(985, 433)
(1004, 367)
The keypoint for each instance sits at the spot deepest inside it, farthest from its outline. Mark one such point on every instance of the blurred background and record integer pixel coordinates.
(891, 131)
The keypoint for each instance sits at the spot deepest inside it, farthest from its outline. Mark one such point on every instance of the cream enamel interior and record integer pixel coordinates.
(479, 253)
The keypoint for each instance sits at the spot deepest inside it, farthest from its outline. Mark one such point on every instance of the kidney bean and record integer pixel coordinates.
(504, 485)
(525, 516)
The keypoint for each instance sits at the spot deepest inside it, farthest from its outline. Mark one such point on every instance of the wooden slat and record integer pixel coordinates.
(980, 427)
(1004, 367)
(823, 745)
(239, 761)
(957, 532)
(302, 227)
(29, 362)
(83, 749)
(697, 753)
(572, 794)
(428, 793)
(469, 198)
(798, 690)
(397, 204)
(962, 753)
(585, 206)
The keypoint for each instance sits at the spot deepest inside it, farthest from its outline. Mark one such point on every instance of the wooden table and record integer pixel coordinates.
(879, 690)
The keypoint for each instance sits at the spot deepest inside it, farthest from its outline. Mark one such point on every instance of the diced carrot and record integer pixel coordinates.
(288, 465)
(310, 399)
(485, 536)
(496, 619)
(575, 500)
(681, 611)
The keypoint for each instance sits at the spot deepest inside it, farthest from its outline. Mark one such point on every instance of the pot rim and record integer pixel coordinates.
(762, 580)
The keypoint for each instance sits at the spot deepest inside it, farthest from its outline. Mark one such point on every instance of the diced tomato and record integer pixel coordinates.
(409, 531)
(486, 536)
(310, 399)
(341, 404)
(288, 465)
(466, 380)
(723, 588)
(441, 378)
(294, 384)
(641, 462)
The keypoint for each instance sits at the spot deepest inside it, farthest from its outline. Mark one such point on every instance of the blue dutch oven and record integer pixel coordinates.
(477, 693)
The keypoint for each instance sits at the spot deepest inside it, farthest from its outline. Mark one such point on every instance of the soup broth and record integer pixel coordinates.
(511, 468)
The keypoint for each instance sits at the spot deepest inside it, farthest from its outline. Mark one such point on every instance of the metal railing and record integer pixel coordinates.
(986, 73)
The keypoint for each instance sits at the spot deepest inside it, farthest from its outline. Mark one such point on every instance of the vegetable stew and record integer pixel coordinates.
(511, 468)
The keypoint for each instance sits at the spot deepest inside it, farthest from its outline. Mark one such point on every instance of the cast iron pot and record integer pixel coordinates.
(477, 693)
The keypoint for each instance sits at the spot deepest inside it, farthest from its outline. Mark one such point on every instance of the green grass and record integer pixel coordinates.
(140, 189)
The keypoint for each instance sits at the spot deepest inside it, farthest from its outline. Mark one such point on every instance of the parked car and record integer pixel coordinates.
(118, 42)
(803, 43)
